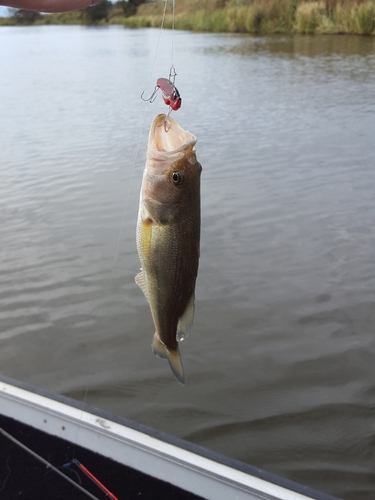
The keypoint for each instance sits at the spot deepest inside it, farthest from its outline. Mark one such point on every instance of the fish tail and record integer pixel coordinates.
(173, 357)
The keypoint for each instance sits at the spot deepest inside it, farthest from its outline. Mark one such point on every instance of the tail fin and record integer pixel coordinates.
(173, 357)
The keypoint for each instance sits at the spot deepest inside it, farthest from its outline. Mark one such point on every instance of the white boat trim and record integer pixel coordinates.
(150, 454)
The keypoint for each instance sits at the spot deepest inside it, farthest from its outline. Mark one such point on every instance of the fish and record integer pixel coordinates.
(168, 236)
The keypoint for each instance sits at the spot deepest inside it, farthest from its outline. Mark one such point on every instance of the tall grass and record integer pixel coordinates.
(309, 17)
(358, 19)
(334, 17)
(61, 18)
(263, 16)
(7, 21)
(243, 16)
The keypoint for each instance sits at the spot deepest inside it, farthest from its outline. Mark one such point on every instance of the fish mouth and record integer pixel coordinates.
(169, 138)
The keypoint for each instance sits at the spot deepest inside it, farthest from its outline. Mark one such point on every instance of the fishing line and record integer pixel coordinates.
(124, 215)
(139, 142)
(127, 199)
(158, 43)
(8, 475)
(81, 466)
(126, 202)
(96, 481)
(172, 27)
(80, 421)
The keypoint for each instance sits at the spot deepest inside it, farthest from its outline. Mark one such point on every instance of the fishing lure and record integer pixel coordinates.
(170, 94)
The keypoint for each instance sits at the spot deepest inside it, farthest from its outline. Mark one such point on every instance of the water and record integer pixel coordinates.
(280, 362)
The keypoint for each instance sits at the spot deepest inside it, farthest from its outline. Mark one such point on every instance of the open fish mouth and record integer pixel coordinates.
(172, 139)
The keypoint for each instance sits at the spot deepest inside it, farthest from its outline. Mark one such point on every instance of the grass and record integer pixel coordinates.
(262, 16)
(241, 16)
(62, 18)
(309, 17)
(6, 21)
(358, 19)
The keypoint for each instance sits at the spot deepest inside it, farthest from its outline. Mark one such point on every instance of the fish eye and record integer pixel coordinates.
(177, 178)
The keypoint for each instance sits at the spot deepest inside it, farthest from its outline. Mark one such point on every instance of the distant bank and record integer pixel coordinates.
(236, 16)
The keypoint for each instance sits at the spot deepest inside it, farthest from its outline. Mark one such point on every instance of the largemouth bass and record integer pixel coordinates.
(168, 232)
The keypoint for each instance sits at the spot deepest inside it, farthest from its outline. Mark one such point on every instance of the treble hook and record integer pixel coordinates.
(152, 96)
(169, 93)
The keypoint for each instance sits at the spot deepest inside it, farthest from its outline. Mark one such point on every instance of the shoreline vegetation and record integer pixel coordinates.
(221, 16)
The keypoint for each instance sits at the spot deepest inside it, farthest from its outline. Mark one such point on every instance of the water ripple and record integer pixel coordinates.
(279, 363)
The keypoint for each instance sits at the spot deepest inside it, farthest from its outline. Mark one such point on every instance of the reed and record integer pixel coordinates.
(357, 19)
(202, 21)
(242, 16)
(181, 7)
(141, 22)
(7, 21)
(309, 17)
(61, 18)
(264, 16)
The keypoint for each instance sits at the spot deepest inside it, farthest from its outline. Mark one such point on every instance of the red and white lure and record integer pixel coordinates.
(169, 92)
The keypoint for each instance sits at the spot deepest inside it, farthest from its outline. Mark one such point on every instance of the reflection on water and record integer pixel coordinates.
(280, 360)
(334, 46)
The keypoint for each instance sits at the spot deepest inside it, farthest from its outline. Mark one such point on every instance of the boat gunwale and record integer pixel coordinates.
(100, 425)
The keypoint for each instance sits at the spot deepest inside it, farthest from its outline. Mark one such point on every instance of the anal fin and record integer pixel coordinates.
(186, 320)
(141, 282)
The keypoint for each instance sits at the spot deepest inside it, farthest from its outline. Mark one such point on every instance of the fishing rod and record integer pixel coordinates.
(56, 470)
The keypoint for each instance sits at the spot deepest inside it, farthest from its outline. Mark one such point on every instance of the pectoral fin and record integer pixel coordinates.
(186, 320)
(173, 357)
(140, 280)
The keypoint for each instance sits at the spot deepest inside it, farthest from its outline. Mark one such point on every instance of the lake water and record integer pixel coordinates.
(280, 363)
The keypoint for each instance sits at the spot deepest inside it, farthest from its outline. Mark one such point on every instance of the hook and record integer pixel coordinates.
(152, 96)
(166, 126)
